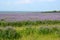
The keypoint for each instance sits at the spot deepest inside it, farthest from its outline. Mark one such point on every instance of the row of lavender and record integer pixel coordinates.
(29, 16)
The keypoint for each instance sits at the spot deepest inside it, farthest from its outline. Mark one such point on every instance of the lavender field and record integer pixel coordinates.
(19, 16)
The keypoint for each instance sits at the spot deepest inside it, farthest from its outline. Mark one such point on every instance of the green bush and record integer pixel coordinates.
(48, 30)
(56, 30)
(45, 30)
(9, 32)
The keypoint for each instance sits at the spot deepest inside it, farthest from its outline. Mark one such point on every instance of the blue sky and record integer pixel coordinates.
(29, 5)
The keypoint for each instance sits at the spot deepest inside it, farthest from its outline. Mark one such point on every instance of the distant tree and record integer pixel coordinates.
(54, 11)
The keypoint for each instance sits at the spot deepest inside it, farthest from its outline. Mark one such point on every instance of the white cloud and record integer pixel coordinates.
(51, 0)
(44, 0)
(32, 1)
(25, 1)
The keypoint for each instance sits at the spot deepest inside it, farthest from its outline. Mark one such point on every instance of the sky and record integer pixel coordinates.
(29, 5)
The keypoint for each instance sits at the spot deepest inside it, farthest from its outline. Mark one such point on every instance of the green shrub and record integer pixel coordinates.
(56, 30)
(9, 32)
(45, 30)
(48, 30)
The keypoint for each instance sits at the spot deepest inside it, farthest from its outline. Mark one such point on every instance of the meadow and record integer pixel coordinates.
(30, 30)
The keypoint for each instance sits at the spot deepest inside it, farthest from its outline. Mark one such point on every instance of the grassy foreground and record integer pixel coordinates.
(38, 30)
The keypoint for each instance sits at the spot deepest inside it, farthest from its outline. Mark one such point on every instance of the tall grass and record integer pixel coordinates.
(48, 30)
(9, 33)
(27, 23)
(12, 33)
(40, 31)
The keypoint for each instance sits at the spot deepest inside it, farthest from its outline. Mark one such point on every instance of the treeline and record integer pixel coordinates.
(25, 23)
(54, 11)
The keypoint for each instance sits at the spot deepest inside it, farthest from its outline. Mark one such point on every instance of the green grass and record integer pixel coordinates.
(9, 33)
(42, 32)
(27, 23)
(30, 30)
(33, 33)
